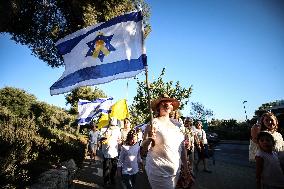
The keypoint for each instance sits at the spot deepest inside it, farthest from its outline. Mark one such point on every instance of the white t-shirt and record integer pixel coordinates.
(110, 149)
(272, 173)
(93, 137)
(201, 135)
(128, 159)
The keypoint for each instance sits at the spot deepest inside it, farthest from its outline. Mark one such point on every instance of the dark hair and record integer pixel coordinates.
(126, 119)
(263, 134)
(93, 124)
(130, 136)
(267, 114)
(198, 121)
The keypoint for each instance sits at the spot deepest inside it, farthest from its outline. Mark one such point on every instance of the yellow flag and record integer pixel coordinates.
(103, 121)
(120, 110)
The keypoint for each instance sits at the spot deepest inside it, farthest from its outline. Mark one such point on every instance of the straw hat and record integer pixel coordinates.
(165, 97)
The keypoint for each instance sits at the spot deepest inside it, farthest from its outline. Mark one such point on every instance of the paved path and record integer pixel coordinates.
(90, 176)
(225, 174)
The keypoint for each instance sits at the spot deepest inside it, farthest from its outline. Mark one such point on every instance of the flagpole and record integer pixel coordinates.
(145, 144)
(127, 89)
(148, 97)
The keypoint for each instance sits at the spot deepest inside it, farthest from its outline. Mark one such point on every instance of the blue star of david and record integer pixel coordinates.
(93, 45)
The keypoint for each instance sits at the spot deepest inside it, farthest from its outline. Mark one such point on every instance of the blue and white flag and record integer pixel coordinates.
(102, 53)
(90, 109)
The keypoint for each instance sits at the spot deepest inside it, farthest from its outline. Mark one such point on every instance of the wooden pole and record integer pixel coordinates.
(148, 96)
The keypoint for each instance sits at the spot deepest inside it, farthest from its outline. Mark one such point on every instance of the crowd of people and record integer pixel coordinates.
(170, 149)
(165, 149)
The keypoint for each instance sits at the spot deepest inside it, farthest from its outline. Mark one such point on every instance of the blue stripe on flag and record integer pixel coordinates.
(98, 111)
(84, 120)
(100, 71)
(89, 118)
(66, 46)
(103, 111)
(99, 101)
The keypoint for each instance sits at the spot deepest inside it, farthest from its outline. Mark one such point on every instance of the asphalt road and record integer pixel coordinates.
(230, 171)
(236, 154)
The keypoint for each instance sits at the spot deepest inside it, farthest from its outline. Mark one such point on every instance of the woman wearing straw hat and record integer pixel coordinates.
(167, 152)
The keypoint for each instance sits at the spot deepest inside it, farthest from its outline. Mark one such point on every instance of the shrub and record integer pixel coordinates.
(31, 140)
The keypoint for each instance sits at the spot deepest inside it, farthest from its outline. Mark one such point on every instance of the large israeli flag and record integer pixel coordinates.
(102, 53)
(90, 109)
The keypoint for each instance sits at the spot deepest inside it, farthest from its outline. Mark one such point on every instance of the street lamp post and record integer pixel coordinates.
(245, 109)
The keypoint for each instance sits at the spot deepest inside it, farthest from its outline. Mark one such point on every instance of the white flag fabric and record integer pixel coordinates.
(90, 109)
(102, 53)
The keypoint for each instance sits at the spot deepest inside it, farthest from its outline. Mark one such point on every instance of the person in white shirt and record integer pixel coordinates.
(129, 160)
(110, 144)
(269, 174)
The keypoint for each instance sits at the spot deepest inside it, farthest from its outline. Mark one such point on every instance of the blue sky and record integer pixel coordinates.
(230, 51)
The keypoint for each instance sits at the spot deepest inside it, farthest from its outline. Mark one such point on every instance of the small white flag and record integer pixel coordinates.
(91, 109)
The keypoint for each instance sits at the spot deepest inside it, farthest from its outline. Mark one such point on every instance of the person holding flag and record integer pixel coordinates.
(167, 153)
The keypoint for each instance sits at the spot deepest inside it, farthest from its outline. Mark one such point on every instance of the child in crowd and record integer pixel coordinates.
(93, 141)
(269, 123)
(269, 174)
(129, 160)
(126, 128)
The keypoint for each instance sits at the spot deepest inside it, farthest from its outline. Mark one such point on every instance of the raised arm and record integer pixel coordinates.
(255, 129)
(148, 138)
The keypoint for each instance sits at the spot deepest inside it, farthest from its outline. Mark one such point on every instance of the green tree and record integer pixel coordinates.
(17, 101)
(51, 116)
(139, 110)
(268, 106)
(230, 129)
(199, 112)
(86, 93)
(39, 24)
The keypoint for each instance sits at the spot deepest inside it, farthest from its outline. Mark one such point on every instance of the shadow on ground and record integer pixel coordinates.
(90, 176)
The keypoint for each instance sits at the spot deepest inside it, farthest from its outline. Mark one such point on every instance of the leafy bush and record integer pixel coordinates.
(20, 145)
(26, 151)
(31, 140)
(17, 101)
(64, 146)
